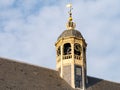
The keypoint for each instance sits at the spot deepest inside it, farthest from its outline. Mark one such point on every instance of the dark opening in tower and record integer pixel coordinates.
(67, 49)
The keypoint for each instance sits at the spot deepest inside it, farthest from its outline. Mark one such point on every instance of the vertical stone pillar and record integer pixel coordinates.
(83, 70)
(72, 67)
(61, 74)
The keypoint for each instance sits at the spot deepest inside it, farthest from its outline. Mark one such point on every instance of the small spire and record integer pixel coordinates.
(70, 25)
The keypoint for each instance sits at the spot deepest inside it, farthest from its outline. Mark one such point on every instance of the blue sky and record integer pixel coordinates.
(29, 30)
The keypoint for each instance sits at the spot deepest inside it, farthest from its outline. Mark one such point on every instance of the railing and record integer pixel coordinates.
(77, 57)
(67, 56)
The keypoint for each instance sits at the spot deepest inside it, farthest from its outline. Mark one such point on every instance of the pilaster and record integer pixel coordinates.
(61, 61)
(72, 67)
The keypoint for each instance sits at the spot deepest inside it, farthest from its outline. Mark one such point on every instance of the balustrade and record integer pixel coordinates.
(67, 56)
(77, 57)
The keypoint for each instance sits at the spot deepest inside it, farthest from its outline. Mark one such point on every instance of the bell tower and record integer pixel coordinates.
(71, 55)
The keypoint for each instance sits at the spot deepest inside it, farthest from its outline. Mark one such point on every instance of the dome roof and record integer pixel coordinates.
(69, 33)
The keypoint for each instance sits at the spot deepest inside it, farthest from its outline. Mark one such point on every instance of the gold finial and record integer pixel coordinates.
(70, 11)
(70, 25)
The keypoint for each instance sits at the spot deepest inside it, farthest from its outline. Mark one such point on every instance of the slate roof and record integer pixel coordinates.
(100, 84)
(70, 33)
(20, 76)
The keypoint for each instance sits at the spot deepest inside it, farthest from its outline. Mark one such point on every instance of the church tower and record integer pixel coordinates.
(71, 55)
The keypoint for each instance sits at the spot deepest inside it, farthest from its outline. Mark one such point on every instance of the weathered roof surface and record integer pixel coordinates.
(70, 33)
(21, 76)
(100, 84)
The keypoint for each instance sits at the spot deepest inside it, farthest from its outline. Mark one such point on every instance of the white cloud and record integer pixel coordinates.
(6, 3)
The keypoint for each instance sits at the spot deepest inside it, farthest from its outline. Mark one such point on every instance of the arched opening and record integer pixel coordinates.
(84, 51)
(67, 49)
(59, 51)
(77, 49)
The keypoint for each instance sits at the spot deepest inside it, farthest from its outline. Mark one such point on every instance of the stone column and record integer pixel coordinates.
(61, 74)
(72, 67)
(83, 70)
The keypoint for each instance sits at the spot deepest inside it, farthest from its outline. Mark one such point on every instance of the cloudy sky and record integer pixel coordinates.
(29, 30)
